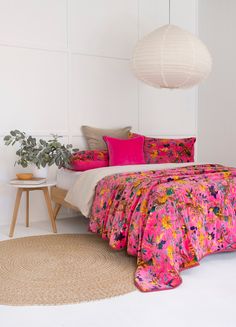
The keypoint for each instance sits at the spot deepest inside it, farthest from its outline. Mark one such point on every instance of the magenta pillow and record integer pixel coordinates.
(125, 152)
(168, 150)
(89, 159)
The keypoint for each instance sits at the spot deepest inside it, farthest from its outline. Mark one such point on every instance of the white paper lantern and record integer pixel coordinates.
(171, 57)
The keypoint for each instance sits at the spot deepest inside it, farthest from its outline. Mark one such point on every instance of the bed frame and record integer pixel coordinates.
(58, 196)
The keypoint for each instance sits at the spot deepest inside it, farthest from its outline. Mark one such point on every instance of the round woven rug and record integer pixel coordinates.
(62, 269)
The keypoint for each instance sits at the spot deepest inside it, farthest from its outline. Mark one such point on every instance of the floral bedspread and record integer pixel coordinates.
(169, 219)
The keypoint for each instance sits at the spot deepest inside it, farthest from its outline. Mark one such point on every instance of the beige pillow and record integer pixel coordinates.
(94, 136)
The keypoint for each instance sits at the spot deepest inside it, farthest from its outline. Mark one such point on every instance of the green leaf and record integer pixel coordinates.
(8, 142)
(7, 138)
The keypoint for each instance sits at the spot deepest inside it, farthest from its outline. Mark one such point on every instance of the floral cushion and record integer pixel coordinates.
(89, 159)
(168, 150)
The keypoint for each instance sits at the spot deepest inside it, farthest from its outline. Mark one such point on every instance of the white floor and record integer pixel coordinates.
(207, 297)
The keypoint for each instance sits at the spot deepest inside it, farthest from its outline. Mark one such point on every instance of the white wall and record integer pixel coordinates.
(217, 96)
(64, 63)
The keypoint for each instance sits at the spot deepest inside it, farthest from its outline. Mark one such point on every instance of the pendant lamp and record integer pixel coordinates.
(170, 57)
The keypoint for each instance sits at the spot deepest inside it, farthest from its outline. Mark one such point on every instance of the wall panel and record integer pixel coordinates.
(39, 23)
(104, 27)
(64, 63)
(217, 96)
(33, 86)
(152, 14)
(103, 93)
(167, 112)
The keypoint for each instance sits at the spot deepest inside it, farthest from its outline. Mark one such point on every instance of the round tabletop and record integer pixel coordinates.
(18, 184)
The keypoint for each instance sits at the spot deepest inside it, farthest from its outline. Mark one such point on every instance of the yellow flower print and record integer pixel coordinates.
(174, 234)
(199, 224)
(203, 187)
(137, 183)
(162, 199)
(102, 191)
(143, 208)
(201, 239)
(166, 223)
(154, 154)
(226, 174)
(159, 237)
(139, 192)
(181, 181)
(164, 149)
(170, 251)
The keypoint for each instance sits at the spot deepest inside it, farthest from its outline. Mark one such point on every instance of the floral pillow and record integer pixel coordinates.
(89, 159)
(168, 150)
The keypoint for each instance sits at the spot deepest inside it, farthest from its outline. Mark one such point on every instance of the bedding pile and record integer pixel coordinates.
(170, 219)
(81, 192)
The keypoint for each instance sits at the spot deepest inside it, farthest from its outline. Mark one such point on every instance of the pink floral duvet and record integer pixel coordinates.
(169, 219)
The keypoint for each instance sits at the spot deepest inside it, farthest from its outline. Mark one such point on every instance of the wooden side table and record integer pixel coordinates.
(27, 189)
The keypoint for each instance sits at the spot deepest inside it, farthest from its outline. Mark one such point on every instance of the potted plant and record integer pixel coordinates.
(40, 153)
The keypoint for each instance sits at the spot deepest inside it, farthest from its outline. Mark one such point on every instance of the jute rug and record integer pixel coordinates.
(62, 269)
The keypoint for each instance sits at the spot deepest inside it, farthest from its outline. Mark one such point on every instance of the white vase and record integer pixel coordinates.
(41, 172)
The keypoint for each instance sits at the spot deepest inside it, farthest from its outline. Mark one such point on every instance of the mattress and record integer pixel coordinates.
(66, 178)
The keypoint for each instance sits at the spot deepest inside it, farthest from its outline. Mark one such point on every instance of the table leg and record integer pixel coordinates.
(56, 210)
(50, 211)
(15, 212)
(27, 209)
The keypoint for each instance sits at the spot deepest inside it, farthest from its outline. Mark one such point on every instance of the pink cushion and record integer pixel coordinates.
(125, 152)
(89, 159)
(168, 150)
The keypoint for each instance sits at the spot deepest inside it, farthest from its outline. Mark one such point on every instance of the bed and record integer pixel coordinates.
(65, 180)
(169, 216)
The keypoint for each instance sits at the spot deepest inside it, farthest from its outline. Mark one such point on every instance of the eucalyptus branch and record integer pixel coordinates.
(40, 153)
